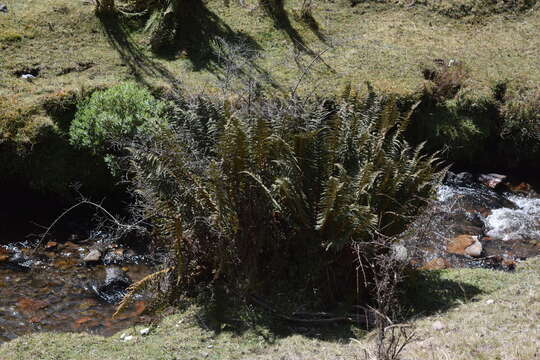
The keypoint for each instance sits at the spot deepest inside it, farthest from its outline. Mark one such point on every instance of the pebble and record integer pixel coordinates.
(93, 256)
(144, 331)
(126, 337)
(438, 325)
(490, 301)
(27, 76)
(51, 245)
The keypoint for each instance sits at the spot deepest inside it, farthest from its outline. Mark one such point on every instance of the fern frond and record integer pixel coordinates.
(138, 287)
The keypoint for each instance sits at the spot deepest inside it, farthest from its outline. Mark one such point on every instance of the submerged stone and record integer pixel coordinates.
(113, 289)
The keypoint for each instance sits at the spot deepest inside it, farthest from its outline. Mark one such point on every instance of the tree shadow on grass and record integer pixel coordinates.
(139, 63)
(275, 9)
(198, 37)
(207, 41)
(427, 292)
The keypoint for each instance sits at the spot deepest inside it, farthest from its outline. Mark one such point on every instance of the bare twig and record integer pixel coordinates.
(125, 227)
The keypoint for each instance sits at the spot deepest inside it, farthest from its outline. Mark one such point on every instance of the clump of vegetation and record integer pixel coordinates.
(245, 194)
(520, 132)
(445, 80)
(114, 115)
(450, 118)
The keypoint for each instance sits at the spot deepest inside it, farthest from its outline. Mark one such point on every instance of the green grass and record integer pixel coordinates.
(385, 44)
(507, 328)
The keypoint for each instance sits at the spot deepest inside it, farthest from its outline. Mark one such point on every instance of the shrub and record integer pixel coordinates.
(113, 115)
(445, 80)
(520, 132)
(279, 193)
(453, 119)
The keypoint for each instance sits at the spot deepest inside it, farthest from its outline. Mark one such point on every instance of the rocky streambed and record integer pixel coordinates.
(477, 221)
(68, 286)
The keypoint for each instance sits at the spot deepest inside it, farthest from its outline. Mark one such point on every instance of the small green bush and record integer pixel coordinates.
(112, 115)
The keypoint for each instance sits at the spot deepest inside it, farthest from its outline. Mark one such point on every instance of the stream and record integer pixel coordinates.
(54, 289)
(474, 223)
(72, 282)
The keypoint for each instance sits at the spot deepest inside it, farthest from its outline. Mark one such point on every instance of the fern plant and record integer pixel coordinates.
(282, 191)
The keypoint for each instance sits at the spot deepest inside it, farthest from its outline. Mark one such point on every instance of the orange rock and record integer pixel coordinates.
(86, 322)
(71, 245)
(65, 263)
(485, 212)
(436, 264)
(523, 187)
(51, 244)
(458, 244)
(139, 307)
(36, 319)
(30, 305)
(4, 254)
(83, 320)
(509, 263)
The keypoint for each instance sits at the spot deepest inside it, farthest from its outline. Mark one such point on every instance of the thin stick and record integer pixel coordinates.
(84, 202)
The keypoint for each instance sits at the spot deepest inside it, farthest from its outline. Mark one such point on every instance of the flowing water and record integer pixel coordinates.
(520, 223)
(506, 223)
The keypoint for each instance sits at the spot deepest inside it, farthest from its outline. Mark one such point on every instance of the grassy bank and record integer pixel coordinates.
(485, 315)
(386, 44)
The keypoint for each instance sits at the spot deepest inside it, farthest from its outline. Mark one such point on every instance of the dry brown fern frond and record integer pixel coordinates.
(137, 287)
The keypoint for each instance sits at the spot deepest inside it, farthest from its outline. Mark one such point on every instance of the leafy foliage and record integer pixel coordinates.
(113, 115)
(279, 189)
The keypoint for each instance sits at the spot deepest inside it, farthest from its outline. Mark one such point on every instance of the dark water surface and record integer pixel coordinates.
(52, 291)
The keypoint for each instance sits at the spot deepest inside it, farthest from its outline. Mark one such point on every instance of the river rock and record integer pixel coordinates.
(492, 181)
(4, 255)
(51, 245)
(436, 264)
(522, 188)
(458, 244)
(20, 261)
(460, 179)
(438, 325)
(474, 250)
(400, 253)
(93, 256)
(113, 289)
(118, 256)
